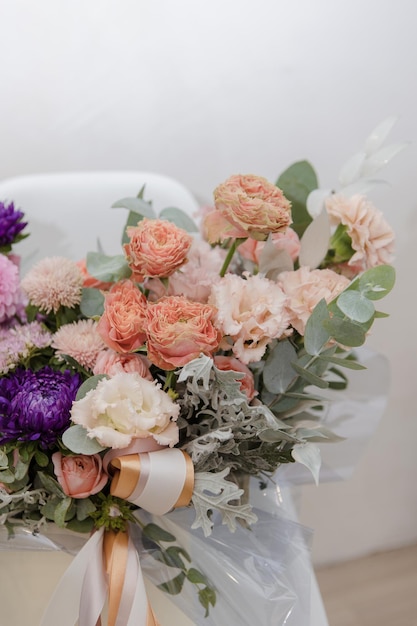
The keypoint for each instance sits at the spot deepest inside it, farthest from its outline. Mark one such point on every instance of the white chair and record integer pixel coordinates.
(67, 214)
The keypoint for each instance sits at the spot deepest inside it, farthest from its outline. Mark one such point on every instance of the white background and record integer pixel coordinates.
(201, 90)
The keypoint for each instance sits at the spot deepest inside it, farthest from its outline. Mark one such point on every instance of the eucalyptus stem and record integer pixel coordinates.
(230, 254)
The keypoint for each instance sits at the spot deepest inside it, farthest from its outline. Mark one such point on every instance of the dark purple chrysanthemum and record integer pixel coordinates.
(35, 406)
(11, 224)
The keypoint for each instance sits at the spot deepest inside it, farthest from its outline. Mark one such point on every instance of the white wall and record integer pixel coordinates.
(200, 90)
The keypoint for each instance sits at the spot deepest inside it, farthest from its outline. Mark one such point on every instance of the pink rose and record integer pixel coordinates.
(371, 235)
(123, 322)
(305, 288)
(288, 241)
(157, 248)
(179, 330)
(252, 312)
(247, 206)
(110, 362)
(80, 475)
(228, 363)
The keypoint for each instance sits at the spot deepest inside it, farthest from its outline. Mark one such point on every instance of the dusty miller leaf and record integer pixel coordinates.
(308, 454)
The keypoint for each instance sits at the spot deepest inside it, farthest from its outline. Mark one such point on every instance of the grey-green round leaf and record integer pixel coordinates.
(377, 282)
(356, 306)
(75, 439)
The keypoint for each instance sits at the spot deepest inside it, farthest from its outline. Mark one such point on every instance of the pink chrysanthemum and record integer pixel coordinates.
(79, 340)
(10, 293)
(52, 283)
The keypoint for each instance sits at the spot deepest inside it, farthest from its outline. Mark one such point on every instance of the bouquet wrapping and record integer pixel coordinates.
(202, 360)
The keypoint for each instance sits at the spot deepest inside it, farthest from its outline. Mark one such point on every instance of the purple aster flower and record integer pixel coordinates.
(35, 406)
(11, 225)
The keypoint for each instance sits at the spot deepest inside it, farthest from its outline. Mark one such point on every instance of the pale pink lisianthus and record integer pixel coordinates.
(229, 363)
(305, 288)
(371, 235)
(122, 325)
(288, 242)
(252, 312)
(11, 296)
(195, 279)
(179, 330)
(247, 206)
(125, 407)
(156, 249)
(54, 282)
(79, 340)
(110, 362)
(80, 475)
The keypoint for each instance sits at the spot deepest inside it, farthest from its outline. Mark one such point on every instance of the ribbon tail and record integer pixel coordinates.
(63, 608)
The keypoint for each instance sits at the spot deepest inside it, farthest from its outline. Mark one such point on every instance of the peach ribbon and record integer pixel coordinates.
(154, 478)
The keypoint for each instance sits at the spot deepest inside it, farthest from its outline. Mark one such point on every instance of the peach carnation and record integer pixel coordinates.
(252, 312)
(123, 322)
(288, 242)
(156, 249)
(54, 282)
(80, 340)
(179, 330)
(110, 362)
(247, 206)
(371, 235)
(305, 288)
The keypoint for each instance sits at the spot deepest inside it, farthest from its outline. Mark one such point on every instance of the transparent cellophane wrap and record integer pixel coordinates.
(261, 574)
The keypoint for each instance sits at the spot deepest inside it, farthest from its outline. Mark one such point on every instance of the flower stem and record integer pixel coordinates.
(230, 254)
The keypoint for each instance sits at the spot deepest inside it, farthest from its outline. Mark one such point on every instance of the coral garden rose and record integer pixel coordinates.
(126, 407)
(110, 363)
(122, 325)
(305, 288)
(252, 312)
(156, 249)
(372, 237)
(80, 476)
(247, 205)
(179, 330)
(229, 363)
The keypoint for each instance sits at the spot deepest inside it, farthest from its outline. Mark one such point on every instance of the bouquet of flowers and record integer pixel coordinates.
(181, 370)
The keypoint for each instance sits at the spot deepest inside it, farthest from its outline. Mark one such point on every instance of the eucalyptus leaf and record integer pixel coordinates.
(88, 385)
(308, 454)
(343, 362)
(377, 282)
(297, 182)
(173, 586)
(179, 218)
(196, 577)
(310, 377)
(50, 484)
(76, 439)
(345, 332)
(157, 534)
(107, 268)
(62, 511)
(136, 205)
(315, 335)
(84, 508)
(278, 372)
(92, 302)
(356, 306)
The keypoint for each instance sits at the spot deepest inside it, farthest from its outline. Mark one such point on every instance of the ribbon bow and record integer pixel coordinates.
(154, 478)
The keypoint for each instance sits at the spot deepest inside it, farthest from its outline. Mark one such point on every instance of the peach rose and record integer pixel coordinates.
(252, 312)
(156, 249)
(110, 362)
(305, 288)
(247, 206)
(179, 330)
(123, 322)
(371, 235)
(80, 475)
(288, 241)
(228, 363)
(90, 281)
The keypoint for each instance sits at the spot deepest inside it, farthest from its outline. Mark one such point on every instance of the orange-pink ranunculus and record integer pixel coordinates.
(122, 325)
(229, 363)
(247, 206)
(81, 475)
(179, 330)
(156, 249)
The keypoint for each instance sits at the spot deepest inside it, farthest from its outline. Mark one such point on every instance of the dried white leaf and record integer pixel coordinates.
(315, 201)
(377, 137)
(315, 241)
(352, 169)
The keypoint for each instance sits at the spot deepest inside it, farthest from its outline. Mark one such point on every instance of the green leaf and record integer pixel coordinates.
(278, 373)
(377, 282)
(196, 577)
(84, 508)
(61, 511)
(41, 458)
(179, 218)
(51, 485)
(88, 385)
(310, 377)
(173, 586)
(156, 533)
(136, 205)
(297, 182)
(76, 439)
(107, 268)
(92, 302)
(4, 461)
(80, 526)
(270, 435)
(355, 305)
(308, 454)
(206, 597)
(316, 336)
(348, 363)
(345, 332)
(172, 557)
